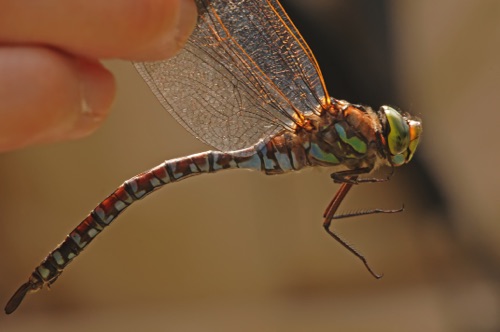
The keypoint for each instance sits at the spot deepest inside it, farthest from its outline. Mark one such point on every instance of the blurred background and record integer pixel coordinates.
(240, 251)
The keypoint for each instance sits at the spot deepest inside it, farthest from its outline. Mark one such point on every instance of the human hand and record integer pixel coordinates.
(52, 86)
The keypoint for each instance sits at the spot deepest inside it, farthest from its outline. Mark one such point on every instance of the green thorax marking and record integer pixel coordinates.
(355, 142)
(321, 155)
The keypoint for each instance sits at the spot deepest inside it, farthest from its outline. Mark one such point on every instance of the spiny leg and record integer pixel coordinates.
(330, 214)
(351, 176)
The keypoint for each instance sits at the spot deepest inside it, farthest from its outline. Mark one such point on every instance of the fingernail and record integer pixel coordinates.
(184, 25)
(187, 18)
(96, 96)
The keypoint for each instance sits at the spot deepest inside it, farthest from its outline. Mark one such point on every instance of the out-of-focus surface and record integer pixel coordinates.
(240, 251)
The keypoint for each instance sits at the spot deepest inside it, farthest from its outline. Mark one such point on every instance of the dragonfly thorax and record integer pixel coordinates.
(347, 135)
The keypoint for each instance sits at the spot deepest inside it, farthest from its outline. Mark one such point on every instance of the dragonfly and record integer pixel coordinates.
(247, 84)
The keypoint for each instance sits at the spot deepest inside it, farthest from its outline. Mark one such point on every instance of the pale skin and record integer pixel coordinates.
(52, 85)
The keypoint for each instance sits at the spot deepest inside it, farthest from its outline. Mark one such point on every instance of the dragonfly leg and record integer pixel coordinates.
(351, 176)
(330, 214)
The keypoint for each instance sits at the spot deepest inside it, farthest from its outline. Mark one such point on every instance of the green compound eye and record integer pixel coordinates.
(398, 137)
(402, 135)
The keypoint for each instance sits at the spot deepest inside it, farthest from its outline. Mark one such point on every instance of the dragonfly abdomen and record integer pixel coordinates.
(273, 157)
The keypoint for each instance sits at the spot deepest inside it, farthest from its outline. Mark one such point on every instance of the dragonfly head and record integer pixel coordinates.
(402, 134)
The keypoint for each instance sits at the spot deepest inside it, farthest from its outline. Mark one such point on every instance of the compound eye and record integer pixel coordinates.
(398, 135)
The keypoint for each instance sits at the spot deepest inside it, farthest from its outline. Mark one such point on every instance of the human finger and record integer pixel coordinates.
(129, 29)
(47, 96)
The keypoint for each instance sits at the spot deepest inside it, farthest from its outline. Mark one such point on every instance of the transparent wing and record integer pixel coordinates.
(244, 75)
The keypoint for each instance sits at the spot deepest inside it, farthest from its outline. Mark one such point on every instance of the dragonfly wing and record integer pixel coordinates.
(244, 75)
